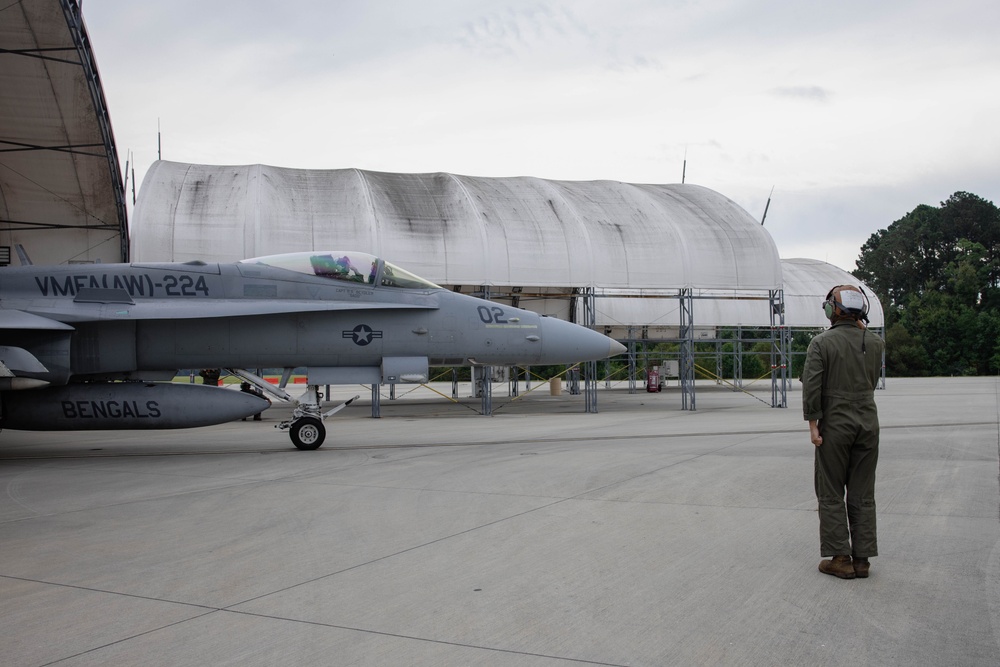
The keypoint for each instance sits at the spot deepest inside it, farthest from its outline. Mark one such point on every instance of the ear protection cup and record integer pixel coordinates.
(829, 305)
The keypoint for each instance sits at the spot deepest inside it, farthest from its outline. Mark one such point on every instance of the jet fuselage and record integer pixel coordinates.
(108, 321)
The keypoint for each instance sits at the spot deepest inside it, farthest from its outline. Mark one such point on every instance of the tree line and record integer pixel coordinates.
(936, 271)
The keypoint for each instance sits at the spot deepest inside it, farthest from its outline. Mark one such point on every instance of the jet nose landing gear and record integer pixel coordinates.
(306, 428)
(307, 433)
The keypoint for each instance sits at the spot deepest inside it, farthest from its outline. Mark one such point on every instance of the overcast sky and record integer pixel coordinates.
(854, 112)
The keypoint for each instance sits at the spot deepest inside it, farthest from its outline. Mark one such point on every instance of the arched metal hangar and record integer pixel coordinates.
(627, 258)
(61, 193)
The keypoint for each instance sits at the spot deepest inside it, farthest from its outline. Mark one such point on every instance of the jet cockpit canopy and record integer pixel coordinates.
(350, 266)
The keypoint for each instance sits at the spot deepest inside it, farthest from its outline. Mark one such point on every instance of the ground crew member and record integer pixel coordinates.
(843, 365)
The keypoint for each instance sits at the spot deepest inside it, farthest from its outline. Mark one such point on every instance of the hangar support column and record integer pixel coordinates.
(484, 384)
(686, 301)
(630, 335)
(590, 367)
(780, 346)
(738, 360)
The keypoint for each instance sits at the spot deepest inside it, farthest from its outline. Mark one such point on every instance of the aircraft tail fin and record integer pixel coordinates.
(22, 255)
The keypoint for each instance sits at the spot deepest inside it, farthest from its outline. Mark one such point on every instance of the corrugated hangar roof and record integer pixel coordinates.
(635, 244)
(61, 194)
(459, 230)
(807, 282)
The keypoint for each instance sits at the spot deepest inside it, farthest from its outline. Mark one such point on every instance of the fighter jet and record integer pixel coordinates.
(92, 346)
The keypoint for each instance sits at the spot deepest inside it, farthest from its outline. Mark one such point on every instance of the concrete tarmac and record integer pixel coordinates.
(641, 535)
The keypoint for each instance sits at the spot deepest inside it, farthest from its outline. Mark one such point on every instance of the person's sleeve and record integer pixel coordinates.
(875, 364)
(812, 383)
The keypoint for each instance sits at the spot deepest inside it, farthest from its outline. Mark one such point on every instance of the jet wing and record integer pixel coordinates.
(14, 360)
(170, 309)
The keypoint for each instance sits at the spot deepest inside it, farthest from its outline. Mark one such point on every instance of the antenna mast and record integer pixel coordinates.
(766, 206)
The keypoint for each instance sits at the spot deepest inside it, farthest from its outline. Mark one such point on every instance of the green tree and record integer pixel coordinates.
(937, 272)
(800, 343)
(895, 262)
(904, 354)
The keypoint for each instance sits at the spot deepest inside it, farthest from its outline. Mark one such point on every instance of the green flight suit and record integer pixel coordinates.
(838, 390)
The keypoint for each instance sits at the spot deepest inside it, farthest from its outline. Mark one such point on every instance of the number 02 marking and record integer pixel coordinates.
(492, 315)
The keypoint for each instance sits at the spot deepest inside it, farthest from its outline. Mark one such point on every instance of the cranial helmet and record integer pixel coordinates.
(846, 301)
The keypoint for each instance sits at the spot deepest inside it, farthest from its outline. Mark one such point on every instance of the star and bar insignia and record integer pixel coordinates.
(362, 334)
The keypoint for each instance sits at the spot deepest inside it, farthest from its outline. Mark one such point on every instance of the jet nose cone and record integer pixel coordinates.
(567, 343)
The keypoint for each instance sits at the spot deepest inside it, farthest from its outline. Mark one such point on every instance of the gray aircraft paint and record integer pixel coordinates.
(103, 322)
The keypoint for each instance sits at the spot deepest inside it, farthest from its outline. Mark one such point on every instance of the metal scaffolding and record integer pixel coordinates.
(590, 367)
(686, 302)
(781, 344)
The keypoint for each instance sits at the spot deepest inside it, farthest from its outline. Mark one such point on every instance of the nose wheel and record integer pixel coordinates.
(306, 425)
(307, 433)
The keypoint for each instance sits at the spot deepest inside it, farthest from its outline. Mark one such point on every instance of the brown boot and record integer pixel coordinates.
(861, 566)
(838, 566)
